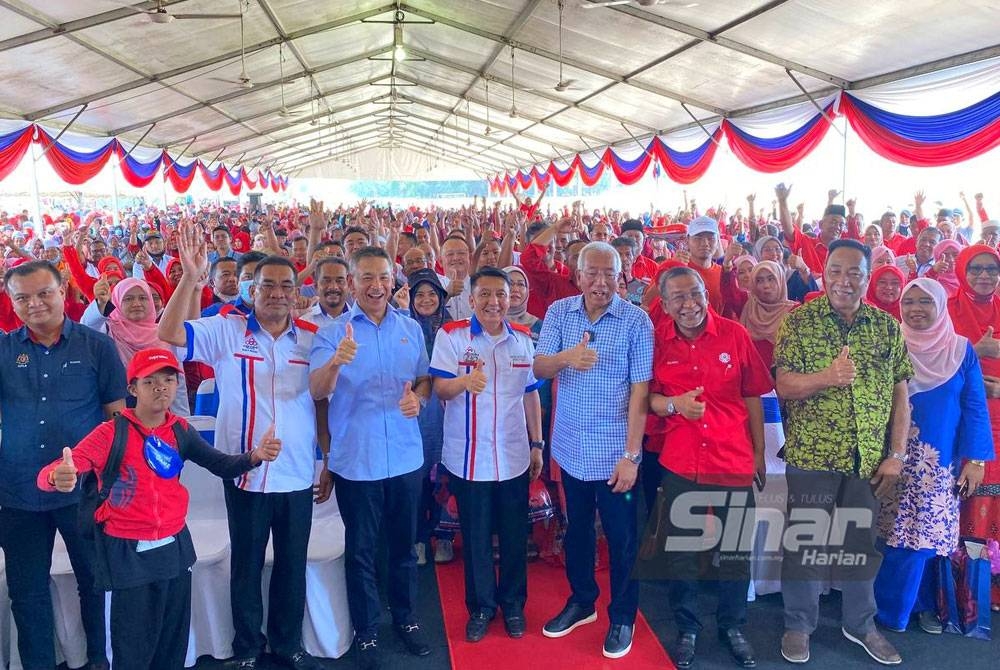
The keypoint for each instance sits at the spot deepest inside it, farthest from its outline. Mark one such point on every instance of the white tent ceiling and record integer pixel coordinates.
(636, 69)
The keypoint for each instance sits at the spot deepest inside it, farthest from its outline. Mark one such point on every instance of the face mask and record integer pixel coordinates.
(245, 291)
(161, 458)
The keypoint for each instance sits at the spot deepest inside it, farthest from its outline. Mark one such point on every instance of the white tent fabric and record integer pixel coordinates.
(326, 88)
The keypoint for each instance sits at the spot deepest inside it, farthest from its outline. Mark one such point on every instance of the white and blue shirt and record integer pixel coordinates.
(265, 381)
(485, 435)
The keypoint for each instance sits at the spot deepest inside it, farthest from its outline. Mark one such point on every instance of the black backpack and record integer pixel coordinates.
(93, 497)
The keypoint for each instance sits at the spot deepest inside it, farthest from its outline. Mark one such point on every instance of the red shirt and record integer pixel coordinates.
(644, 268)
(811, 249)
(529, 211)
(717, 449)
(712, 276)
(547, 285)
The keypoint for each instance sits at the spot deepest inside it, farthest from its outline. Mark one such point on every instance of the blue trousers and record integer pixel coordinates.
(618, 519)
(904, 585)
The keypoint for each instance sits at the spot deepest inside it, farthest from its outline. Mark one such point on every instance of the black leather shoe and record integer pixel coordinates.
(514, 625)
(413, 638)
(300, 660)
(476, 627)
(739, 647)
(368, 656)
(99, 665)
(683, 654)
(573, 615)
(618, 641)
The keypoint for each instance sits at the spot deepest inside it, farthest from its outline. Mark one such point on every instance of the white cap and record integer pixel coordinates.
(703, 224)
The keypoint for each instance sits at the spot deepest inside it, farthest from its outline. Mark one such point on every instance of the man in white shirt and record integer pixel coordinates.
(330, 278)
(482, 370)
(263, 361)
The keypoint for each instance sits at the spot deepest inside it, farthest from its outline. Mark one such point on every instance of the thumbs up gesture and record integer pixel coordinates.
(475, 381)
(409, 404)
(688, 405)
(841, 372)
(347, 349)
(268, 449)
(988, 346)
(64, 476)
(581, 357)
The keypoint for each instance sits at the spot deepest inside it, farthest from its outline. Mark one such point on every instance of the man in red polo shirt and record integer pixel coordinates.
(707, 382)
(813, 250)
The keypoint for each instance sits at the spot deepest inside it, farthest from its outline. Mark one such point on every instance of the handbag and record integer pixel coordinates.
(963, 594)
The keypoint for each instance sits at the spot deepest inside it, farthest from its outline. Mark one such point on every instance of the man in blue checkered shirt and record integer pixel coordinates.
(600, 348)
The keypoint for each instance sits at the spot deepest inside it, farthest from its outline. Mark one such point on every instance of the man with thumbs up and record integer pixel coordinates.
(600, 348)
(371, 364)
(492, 447)
(707, 382)
(841, 371)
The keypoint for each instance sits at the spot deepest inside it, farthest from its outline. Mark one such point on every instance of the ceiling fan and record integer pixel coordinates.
(283, 112)
(161, 15)
(639, 3)
(243, 80)
(563, 84)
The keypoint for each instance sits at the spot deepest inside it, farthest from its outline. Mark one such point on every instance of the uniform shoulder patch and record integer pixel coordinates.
(452, 326)
(306, 325)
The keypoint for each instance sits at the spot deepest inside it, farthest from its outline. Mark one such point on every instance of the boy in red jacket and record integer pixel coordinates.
(144, 548)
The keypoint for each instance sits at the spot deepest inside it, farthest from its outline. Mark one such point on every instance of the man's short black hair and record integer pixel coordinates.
(488, 271)
(223, 229)
(31, 267)
(328, 260)
(856, 246)
(278, 261)
(369, 252)
(330, 243)
(220, 260)
(632, 224)
(249, 258)
(410, 236)
(677, 273)
(357, 229)
(534, 229)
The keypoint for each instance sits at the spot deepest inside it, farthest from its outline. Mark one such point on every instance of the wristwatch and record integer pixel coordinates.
(901, 457)
(540, 444)
(671, 410)
(634, 459)
(978, 463)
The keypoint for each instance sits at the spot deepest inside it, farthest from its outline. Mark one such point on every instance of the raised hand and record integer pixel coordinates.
(268, 449)
(475, 381)
(919, 198)
(316, 218)
(64, 475)
(402, 297)
(842, 371)
(455, 285)
(831, 195)
(688, 405)
(102, 291)
(347, 349)
(781, 192)
(409, 403)
(192, 250)
(581, 357)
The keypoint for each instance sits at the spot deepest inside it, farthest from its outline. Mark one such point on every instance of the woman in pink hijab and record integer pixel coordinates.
(945, 254)
(129, 319)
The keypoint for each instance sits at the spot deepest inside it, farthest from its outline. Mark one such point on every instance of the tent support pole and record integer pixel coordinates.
(700, 124)
(815, 104)
(635, 139)
(36, 199)
(116, 214)
(138, 142)
(65, 128)
(843, 162)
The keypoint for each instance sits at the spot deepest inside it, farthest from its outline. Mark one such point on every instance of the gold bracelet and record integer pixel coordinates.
(978, 463)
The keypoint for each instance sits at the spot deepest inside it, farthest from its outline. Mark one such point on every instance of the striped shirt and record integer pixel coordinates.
(485, 435)
(267, 383)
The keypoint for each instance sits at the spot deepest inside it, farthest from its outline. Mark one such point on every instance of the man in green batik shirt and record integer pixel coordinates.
(841, 371)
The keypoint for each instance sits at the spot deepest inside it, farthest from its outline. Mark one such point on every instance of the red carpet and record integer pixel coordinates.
(547, 593)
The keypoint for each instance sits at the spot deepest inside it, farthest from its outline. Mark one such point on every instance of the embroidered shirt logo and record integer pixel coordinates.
(724, 357)
(250, 345)
(23, 360)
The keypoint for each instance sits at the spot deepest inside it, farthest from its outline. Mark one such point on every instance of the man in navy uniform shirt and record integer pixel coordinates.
(59, 380)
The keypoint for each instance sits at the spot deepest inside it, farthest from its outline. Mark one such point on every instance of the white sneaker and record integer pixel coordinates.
(421, 550)
(444, 551)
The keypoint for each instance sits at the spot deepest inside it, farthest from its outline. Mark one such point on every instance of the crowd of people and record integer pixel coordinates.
(480, 349)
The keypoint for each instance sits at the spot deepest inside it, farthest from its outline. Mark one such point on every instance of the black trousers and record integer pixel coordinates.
(692, 567)
(150, 624)
(27, 539)
(485, 507)
(287, 519)
(368, 508)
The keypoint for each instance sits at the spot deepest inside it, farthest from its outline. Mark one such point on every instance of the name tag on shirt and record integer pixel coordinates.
(146, 545)
(519, 362)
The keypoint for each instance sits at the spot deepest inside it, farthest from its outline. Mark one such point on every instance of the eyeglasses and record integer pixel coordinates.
(591, 275)
(991, 270)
